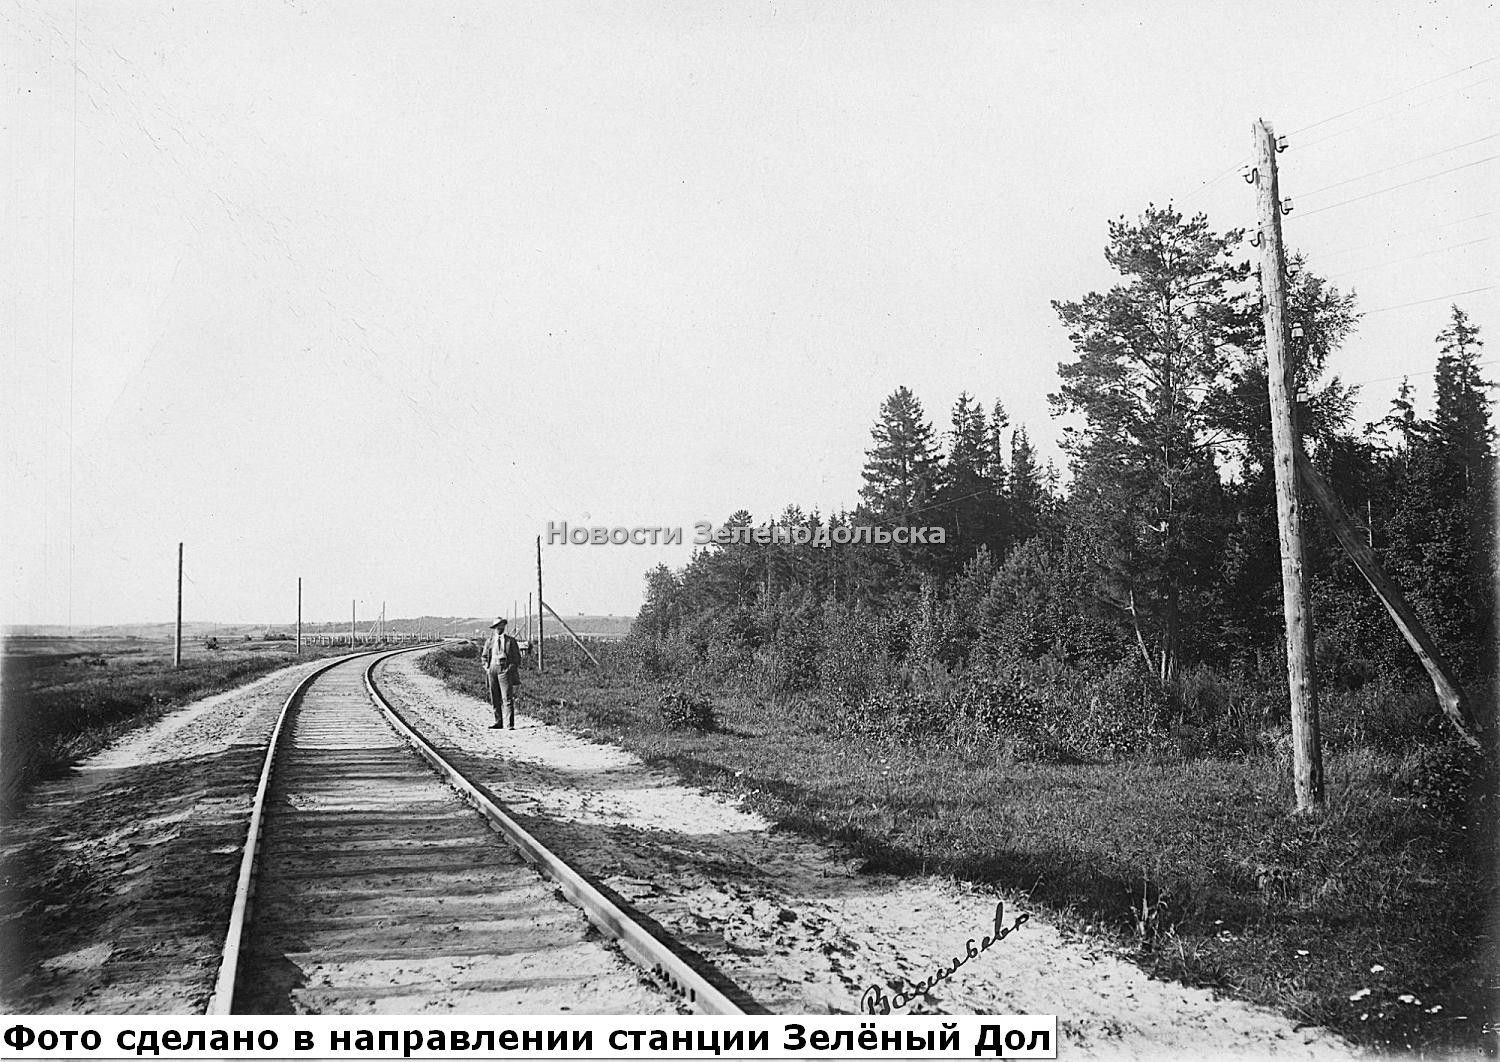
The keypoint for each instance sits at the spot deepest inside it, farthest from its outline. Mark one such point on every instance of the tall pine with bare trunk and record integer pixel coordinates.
(1150, 352)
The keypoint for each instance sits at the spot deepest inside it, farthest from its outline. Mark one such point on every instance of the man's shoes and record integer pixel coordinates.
(496, 726)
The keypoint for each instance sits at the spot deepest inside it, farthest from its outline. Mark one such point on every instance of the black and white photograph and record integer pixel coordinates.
(749, 529)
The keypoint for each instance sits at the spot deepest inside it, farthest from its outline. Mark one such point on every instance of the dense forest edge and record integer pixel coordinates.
(1142, 602)
(1130, 613)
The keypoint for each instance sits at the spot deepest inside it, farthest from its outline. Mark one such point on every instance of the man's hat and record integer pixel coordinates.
(498, 623)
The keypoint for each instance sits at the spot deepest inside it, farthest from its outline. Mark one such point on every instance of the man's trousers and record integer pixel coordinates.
(503, 698)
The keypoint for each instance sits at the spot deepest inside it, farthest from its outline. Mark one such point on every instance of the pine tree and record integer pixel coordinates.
(1149, 353)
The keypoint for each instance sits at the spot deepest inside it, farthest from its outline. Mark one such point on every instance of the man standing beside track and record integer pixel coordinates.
(502, 668)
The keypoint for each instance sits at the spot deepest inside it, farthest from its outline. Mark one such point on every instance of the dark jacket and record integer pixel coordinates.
(506, 659)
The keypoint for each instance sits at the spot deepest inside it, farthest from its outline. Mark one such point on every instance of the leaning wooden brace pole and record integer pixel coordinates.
(1307, 748)
(571, 632)
(1450, 694)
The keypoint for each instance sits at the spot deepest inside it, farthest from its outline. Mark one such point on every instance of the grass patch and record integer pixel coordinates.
(59, 706)
(1192, 866)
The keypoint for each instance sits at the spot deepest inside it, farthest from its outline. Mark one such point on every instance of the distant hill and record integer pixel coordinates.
(439, 626)
(597, 626)
(143, 631)
(603, 626)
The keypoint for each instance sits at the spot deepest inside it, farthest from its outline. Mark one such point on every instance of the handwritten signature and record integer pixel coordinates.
(875, 1001)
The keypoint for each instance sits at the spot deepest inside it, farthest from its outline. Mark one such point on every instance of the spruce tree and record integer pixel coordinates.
(902, 473)
(972, 497)
(1440, 531)
(903, 486)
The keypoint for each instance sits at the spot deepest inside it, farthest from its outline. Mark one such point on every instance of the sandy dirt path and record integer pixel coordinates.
(797, 926)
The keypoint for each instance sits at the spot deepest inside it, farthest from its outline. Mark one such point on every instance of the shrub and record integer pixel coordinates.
(722, 645)
(683, 710)
(789, 660)
(1448, 779)
(901, 715)
(1228, 713)
(857, 661)
(1046, 709)
(1040, 602)
(1388, 713)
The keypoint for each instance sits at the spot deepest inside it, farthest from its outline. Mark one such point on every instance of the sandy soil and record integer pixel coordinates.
(118, 878)
(796, 925)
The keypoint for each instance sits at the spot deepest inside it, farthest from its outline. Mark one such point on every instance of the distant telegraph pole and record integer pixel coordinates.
(177, 643)
(541, 639)
(352, 612)
(1307, 751)
(299, 615)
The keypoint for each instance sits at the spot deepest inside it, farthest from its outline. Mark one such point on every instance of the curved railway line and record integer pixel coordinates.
(369, 883)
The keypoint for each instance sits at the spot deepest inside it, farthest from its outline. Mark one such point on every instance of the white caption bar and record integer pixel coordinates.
(597, 1037)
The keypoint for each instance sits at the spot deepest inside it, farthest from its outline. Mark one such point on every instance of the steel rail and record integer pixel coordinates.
(642, 940)
(222, 1000)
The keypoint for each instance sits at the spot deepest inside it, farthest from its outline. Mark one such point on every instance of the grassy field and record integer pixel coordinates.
(1371, 920)
(64, 698)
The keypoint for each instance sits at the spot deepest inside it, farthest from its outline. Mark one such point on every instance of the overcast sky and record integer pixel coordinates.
(369, 293)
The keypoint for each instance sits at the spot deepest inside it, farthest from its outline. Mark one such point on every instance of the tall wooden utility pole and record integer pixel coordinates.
(1307, 750)
(299, 615)
(541, 637)
(352, 603)
(177, 643)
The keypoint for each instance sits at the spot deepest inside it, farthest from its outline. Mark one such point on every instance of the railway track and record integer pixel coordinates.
(368, 883)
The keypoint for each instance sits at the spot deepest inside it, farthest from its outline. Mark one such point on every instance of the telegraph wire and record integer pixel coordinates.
(1408, 375)
(1410, 106)
(1206, 185)
(1394, 95)
(1408, 232)
(1420, 302)
(1403, 184)
(1408, 258)
(1397, 166)
(1209, 183)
